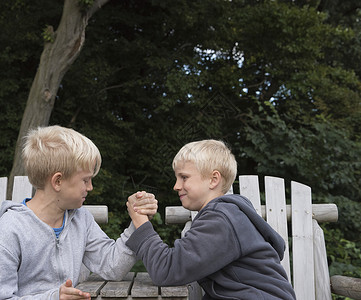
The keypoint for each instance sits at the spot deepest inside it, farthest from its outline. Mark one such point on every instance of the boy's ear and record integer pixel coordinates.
(56, 181)
(216, 178)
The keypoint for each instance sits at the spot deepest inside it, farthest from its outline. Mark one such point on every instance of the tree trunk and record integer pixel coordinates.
(59, 53)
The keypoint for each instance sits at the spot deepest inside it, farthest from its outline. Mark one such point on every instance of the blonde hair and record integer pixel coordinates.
(208, 156)
(52, 149)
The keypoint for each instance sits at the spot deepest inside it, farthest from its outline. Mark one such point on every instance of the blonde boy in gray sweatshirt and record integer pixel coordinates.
(45, 240)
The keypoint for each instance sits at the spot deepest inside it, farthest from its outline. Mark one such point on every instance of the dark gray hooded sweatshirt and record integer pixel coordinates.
(230, 250)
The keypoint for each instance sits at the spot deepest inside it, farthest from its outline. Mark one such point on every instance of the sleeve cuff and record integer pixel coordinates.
(140, 235)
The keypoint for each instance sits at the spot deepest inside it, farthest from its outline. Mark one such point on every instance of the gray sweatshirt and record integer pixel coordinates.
(34, 263)
(229, 249)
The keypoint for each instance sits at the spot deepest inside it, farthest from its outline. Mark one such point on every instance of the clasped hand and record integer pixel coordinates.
(142, 206)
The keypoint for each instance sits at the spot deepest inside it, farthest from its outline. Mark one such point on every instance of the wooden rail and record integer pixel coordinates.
(320, 212)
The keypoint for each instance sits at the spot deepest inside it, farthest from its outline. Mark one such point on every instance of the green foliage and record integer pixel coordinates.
(115, 225)
(138, 267)
(349, 216)
(344, 256)
(85, 3)
(48, 34)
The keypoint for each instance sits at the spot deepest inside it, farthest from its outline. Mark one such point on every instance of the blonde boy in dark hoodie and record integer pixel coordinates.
(229, 249)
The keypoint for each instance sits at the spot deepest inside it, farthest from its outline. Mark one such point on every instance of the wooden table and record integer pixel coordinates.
(137, 286)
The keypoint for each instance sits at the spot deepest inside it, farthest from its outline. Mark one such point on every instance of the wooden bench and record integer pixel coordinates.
(310, 275)
(134, 286)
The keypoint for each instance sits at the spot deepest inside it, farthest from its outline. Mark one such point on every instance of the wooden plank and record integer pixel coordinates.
(3, 188)
(276, 214)
(91, 287)
(22, 189)
(174, 292)
(320, 212)
(325, 212)
(230, 191)
(193, 214)
(177, 215)
(99, 212)
(249, 188)
(143, 287)
(118, 289)
(302, 237)
(322, 275)
(346, 286)
(187, 226)
(195, 292)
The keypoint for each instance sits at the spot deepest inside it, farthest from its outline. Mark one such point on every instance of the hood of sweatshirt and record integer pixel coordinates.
(10, 205)
(269, 234)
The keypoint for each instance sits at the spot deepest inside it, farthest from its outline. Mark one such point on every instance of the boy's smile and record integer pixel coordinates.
(194, 190)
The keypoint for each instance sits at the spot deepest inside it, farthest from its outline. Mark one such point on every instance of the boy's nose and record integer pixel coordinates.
(90, 186)
(176, 186)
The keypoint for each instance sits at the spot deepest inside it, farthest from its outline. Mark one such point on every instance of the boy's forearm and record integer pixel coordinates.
(139, 220)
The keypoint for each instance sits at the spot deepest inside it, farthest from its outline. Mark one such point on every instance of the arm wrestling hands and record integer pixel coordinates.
(142, 207)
